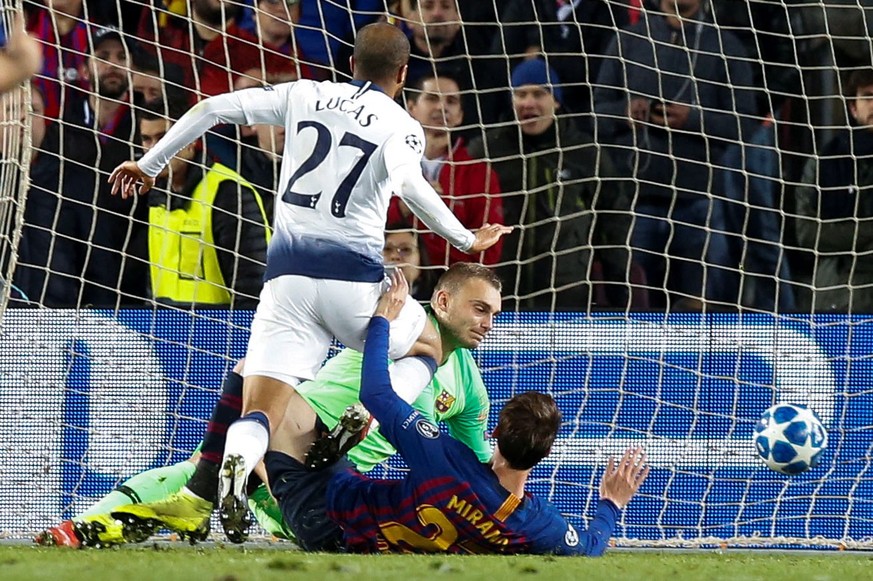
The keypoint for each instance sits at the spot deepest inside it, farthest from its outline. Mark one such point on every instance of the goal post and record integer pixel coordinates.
(15, 153)
(93, 392)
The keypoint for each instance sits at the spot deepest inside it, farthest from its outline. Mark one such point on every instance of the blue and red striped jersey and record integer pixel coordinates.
(449, 501)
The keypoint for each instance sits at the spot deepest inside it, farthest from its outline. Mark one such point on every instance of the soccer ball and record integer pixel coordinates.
(790, 438)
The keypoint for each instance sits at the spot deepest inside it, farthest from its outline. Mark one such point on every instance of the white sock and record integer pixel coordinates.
(409, 377)
(187, 492)
(248, 439)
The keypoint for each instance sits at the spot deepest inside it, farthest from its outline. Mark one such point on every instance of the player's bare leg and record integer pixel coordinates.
(297, 430)
(265, 401)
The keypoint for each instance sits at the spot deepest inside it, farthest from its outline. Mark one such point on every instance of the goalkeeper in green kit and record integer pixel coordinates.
(181, 497)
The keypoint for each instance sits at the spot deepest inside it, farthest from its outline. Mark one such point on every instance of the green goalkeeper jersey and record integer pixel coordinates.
(456, 396)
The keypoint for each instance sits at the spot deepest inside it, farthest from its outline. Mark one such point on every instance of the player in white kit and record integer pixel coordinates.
(348, 147)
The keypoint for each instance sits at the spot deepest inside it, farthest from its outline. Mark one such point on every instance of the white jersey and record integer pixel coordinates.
(348, 146)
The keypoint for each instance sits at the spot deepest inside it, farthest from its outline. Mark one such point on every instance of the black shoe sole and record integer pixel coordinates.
(233, 510)
(328, 449)
(234, 516)
(136, 530)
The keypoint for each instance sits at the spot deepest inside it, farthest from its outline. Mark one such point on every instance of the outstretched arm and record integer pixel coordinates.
(619, 484)
(402, 156)
(377, 394)
(416, 438)
(425, 203)
(266, 106)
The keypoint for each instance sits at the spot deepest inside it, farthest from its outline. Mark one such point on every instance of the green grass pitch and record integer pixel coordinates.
(170, 561)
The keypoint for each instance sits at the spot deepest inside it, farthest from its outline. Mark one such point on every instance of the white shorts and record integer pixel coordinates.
(298, 316)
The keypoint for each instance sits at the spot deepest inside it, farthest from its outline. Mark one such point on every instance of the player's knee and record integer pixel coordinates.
(266, 395)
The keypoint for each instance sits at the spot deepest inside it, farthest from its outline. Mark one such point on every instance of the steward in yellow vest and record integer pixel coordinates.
(207, 240)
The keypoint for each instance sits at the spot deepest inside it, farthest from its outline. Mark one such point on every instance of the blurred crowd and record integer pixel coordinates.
(651, 154)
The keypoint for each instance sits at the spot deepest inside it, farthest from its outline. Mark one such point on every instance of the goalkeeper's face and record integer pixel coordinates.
(467, 314)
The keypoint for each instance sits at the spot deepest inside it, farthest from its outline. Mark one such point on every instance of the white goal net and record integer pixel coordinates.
(688, 185)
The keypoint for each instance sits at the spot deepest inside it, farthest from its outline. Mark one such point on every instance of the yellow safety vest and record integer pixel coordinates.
(182, 253)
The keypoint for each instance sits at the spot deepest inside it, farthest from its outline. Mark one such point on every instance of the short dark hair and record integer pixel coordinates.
(414, 89)
(526, 429)
(172, 109)
(440, 73)
(460, 272)
(381, 50)
(857, 80)
(145, 62)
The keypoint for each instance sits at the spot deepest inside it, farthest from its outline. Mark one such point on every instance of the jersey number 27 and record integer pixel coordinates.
(323, 146)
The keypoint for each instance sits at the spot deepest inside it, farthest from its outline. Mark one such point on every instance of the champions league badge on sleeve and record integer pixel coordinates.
(427, 429)
(414, 143)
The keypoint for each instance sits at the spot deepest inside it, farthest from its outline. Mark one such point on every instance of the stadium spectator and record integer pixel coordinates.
(271, 49)
(62, 29)
(448, 501)
(574, 35)
(101, 261)
(268, 52)
(762, 28)
(154, 81)
(181, 38)
(468, 187)
(436, 27)
(14, 119)
(756, 229)
(402, 249)
(327, 30)
(260, 159)
(672, 93)
(208, 229)
(437, 42)
(20, 58)
(835, 211)
(561, 189)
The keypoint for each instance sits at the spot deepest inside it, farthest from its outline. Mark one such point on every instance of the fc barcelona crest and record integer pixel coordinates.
(444, 402)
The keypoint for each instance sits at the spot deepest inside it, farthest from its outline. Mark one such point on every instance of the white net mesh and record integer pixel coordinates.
(710, 159)
(15, 155)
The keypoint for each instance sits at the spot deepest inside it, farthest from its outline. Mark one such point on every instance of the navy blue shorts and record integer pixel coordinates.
(301, 494)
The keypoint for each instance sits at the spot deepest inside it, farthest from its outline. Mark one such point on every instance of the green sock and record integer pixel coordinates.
(148, 486)
(268, 514)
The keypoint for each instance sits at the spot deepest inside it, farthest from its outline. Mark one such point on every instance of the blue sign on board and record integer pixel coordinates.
(89, 398)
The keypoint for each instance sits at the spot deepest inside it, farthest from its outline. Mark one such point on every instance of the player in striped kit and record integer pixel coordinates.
(466, 299)
(449, 501)
(349, 146)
